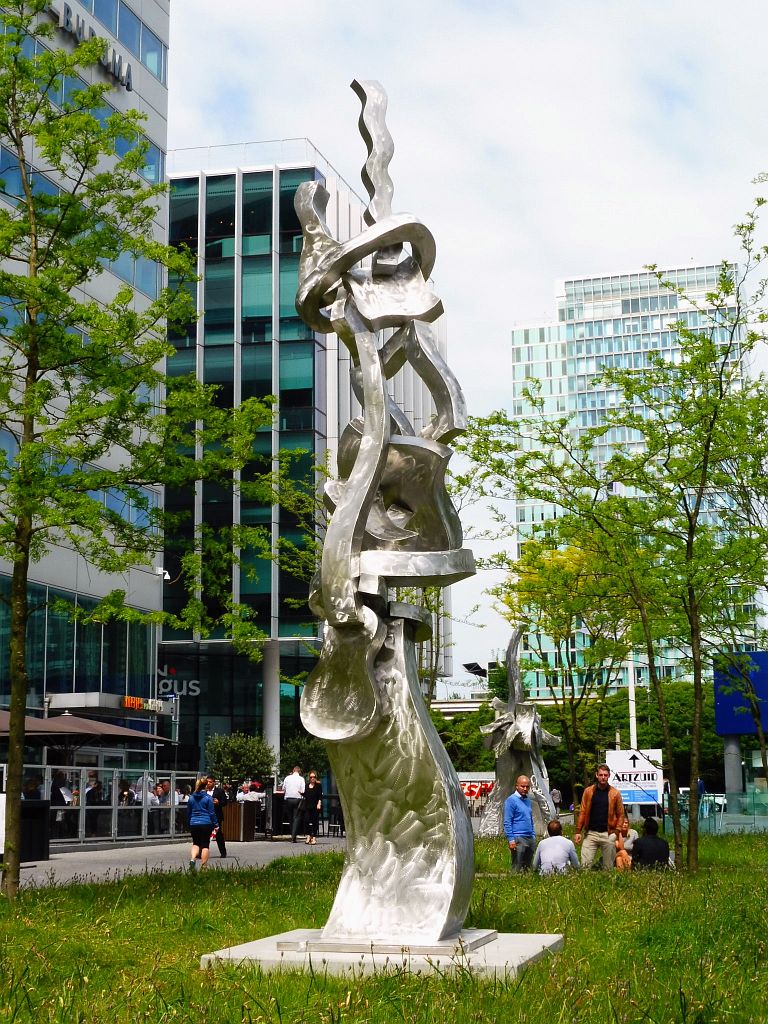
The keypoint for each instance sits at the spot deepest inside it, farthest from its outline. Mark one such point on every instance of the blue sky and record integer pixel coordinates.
(537, 142)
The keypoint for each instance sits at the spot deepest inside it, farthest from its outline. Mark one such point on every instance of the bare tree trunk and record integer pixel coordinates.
(16, 732)
(698, 701)
(674, 806)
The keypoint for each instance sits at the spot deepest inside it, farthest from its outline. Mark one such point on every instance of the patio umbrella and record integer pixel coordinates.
(71, 731)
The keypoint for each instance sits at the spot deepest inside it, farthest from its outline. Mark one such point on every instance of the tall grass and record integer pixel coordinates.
(647, 948)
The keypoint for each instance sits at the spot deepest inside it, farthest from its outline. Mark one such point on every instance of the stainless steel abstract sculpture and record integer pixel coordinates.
(517, 738)
(408, 873)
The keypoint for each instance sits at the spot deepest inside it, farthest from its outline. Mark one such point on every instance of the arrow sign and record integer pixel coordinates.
(635, 773)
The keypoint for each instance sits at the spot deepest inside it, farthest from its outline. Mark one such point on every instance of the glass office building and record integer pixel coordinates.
(608, 321)
(100, 668)
(233, 206)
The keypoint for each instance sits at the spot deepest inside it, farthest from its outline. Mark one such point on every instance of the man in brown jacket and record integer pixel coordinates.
(600, 817)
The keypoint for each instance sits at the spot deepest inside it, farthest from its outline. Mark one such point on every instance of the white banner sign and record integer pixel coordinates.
(637, 775)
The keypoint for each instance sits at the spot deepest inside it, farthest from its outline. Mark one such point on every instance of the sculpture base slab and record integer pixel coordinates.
(503, 956)
(310, 941)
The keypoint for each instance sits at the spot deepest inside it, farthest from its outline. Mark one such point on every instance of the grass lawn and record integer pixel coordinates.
(651, 948)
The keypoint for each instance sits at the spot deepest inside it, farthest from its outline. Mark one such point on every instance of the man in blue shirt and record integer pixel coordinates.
(518, 825)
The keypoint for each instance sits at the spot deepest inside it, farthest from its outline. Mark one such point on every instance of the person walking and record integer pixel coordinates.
(293, 788)
(201, 816)
(557, 799)
(313, 795)
(518, 825)
(219, 797)
(600, 817)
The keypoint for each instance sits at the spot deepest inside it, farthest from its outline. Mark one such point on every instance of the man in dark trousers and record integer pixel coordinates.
(518, 825)
(649, 851)
(219, 801)
(600, 817)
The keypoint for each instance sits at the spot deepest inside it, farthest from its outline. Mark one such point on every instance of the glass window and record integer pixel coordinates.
(219, 369)
(183, 211)
(140, 645)
(182, 363)
(255, 573)
(10, 174)
(147, 274)
(257, 286)
(289, 279)
(290, 229)
(296, 366)
(87, 651)
(60, 643)
(151, 52)
(220, 207)
(106, 12)
(256, 371)
(129, 29)
(152, 170)
(257, 214)
(219, 302)
(114, 660)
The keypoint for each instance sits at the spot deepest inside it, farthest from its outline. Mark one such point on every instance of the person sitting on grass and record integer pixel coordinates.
(555, 854)
(625, 841)
(202, 819)
(650, 851)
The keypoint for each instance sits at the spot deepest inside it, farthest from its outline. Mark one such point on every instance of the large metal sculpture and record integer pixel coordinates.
(517, 737)
(408, 873)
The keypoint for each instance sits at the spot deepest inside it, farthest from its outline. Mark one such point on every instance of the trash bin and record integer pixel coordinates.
(35, 830)
(232, 823)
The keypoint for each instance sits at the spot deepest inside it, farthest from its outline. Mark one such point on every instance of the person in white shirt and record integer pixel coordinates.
(555, 853)
(293, 788)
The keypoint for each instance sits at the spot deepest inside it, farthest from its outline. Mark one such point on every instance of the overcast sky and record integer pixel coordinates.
(538, 141)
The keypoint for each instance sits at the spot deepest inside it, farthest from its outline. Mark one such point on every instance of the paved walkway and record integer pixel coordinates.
(110, 863)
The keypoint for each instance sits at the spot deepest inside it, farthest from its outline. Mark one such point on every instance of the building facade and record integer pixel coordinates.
(233, 207)
(612, 321)
(108, 669)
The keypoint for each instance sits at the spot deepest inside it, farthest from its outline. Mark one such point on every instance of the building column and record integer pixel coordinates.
(734, 776)
(270, 696)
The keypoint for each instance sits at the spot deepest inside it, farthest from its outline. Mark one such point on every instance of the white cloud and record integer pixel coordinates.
(536, 142)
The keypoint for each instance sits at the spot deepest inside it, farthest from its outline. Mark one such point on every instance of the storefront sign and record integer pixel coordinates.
(168, 684)
(114, 62)
(141, 704)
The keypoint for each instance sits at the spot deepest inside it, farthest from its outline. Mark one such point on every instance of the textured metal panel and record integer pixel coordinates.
(408, 874)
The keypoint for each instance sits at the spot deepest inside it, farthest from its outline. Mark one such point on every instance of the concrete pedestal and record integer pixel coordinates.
(484, 952)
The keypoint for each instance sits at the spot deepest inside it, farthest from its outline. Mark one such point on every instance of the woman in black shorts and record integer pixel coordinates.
(202, 820)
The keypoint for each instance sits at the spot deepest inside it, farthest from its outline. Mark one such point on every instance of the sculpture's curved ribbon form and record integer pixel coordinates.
(408, 873)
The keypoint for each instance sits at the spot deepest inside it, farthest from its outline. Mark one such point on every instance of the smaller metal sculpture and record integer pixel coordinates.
(516, 737)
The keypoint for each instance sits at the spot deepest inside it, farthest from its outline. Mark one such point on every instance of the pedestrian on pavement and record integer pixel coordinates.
(202, 820)
(219, 798)
(293, 801)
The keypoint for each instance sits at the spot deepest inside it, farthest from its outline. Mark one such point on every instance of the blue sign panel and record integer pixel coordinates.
(732, 711)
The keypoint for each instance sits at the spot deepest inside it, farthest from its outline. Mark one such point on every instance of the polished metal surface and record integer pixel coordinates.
(408, 873)
(517, 738)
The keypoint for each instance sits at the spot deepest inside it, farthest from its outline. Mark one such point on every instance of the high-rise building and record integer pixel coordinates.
(234, 207)
(615, 321)
(111, 668)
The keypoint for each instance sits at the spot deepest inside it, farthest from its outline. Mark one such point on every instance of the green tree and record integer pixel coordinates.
(239, 756)
(308, 752)
(85, 411)
(576, 628)
(658, 512)
(463, 740)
